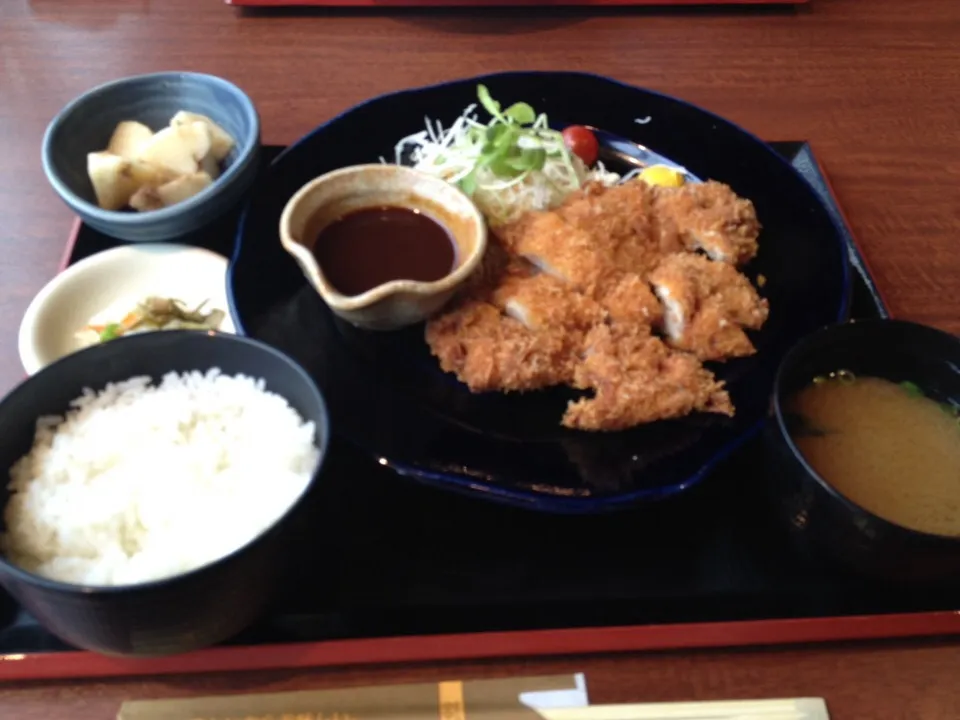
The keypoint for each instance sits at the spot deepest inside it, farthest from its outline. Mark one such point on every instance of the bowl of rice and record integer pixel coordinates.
(153, 483)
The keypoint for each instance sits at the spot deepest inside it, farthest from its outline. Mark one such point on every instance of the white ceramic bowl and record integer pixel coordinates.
(121, 276)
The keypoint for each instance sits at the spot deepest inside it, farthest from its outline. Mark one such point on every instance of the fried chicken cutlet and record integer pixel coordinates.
(574, 296)
(488, 350)
(568, 253)
(706, 306)
(710, 217)
(623, 222)
(523, 332)
(595, 236)
(637, 379)
(542, 303)
(600, 259)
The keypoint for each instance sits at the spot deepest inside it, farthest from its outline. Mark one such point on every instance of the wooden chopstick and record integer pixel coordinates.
(781, 709)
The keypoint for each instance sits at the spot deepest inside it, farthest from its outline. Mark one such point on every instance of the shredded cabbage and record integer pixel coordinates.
(507, 165)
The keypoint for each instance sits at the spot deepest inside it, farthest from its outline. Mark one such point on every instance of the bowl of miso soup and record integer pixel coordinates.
(864, 447)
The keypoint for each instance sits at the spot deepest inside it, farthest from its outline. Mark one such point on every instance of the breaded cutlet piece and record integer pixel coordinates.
(590, 243)
(706, 306)
(637, 379)
(488, 351)
(565, 298)
(496, 263)
(541, 302)
(558, 248)
(711, 217)
(623, 223)
(629, 299)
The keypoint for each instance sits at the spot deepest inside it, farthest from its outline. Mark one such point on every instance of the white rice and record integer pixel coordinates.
(140, 482)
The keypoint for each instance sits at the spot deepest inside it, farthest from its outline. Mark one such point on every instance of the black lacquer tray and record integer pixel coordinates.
(392, 570)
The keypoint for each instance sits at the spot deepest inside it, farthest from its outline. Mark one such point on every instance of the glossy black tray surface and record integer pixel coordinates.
(384, 556)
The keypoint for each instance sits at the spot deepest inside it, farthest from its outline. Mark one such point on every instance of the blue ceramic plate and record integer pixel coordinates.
(387, 394)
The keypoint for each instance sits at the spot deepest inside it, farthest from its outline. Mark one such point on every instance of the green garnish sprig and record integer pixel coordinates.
(511, 145)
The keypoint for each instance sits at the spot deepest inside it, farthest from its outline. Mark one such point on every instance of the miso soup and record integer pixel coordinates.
(884, 446)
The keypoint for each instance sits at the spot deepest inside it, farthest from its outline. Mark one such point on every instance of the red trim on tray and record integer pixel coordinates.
(66, 260)
(484, 3)
(476, 646)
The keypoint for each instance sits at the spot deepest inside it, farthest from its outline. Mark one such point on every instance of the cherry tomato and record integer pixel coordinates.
(582, 143)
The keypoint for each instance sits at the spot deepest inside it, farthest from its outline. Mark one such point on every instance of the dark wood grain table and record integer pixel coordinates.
(873, 85)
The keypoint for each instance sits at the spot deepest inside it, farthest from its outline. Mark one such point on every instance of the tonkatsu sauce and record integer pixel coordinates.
(369, 247)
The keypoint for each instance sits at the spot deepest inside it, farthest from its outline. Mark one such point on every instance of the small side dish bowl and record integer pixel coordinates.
(114, 281)
(824, 523)
(181, 612)
(86, 124)
(397, 303)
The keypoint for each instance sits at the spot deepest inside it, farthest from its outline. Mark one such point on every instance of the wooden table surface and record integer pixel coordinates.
(873, 85)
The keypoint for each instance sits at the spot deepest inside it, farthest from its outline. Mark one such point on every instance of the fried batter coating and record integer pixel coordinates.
(541, 302)
(559, 249)
(637, 379)
(707, 305)
(496, 263)
(574, 296)
(629, 299)
(491, 351)
(711, 217)
(622, 222)
(601, 242)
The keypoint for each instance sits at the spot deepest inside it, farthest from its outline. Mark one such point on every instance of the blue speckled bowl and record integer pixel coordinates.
(85, 125)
